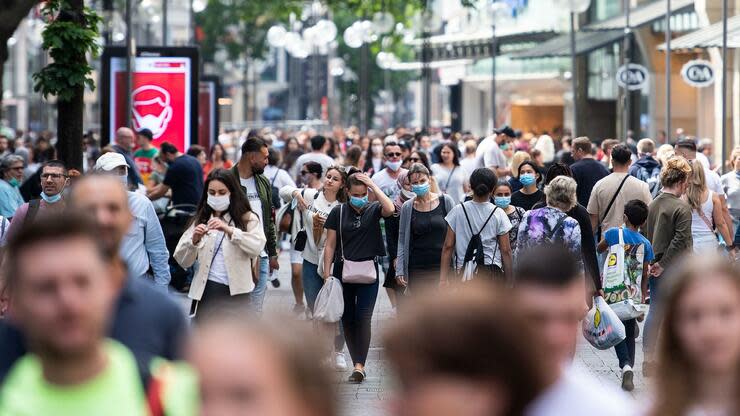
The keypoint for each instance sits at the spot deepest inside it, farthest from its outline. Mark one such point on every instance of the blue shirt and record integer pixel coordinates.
(10, 199)
(637, 251)
(144, 245)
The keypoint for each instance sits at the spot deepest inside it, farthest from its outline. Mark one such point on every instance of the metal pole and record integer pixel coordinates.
(724, 83)
(494, 47)
(574, 72)
(668, 69)
(130, 56)
(627, 93)
(426, 84)
(363, 87)
(164, 22)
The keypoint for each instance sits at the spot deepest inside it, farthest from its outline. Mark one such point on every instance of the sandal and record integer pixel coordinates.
(357, 376)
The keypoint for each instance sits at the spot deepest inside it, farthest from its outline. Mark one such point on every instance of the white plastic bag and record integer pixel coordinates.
(620, 292)
(329, 305)
(602, 327)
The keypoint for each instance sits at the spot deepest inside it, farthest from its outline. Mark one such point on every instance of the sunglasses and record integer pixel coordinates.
(52, 176)
(414, 159)
(303, 172)
(393, 155)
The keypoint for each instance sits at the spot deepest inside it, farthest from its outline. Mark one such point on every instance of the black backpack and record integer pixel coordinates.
(474, 251)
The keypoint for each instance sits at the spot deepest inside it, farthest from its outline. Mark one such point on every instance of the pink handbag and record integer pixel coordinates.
(359, 272)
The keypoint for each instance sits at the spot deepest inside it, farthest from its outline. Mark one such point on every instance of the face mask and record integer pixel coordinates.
(51, 199)
(407, 194)
(421, 189)
(306, 178)
(219, 203)
(527, 179)
(502, 201)
(123, 179)
(157, 124)
(377, 149)
(358, 202)
(14, 182)
(394, 166)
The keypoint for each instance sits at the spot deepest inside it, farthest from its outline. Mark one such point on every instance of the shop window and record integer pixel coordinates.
(602, 68)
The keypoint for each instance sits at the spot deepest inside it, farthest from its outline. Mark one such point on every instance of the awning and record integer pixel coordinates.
(708, 37)
(560, 46)
(643, 15)
(483, 35)
(416, 66)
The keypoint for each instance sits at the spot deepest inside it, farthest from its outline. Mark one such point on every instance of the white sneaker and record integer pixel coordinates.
(339, 362)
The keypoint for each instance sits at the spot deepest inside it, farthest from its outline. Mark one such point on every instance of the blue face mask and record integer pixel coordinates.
(358, 202)
(420, 189)
(527, 179)
(51, 199)
(502, 201)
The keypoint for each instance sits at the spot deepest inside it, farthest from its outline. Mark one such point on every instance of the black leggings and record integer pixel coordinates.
(359, 304)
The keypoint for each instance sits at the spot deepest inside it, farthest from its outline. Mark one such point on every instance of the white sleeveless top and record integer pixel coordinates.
(702, 234)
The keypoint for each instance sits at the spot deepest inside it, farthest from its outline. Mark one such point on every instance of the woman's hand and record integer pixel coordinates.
(219, 225)
(302, 204)
(656, 270)
(364, 179)
(401, 280)
(198, 233)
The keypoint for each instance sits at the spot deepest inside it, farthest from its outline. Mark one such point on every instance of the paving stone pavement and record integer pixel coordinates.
(371, 397)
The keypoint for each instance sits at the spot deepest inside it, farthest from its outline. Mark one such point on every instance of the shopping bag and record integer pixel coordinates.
(329, 305)
(620, 291)
(602, 328)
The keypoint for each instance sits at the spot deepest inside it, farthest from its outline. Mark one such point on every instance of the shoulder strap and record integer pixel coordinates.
(3, 223)
(443, 201)
(33, 209)
(558, 226)
(449, 178)
(468, 219)
(487, 219)
(341, 243)
(272, 181)
(614, 198)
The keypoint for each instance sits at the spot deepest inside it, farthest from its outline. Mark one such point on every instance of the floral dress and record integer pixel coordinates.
(546, 226)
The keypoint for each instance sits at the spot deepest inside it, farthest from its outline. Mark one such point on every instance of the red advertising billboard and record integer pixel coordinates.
(162, 96)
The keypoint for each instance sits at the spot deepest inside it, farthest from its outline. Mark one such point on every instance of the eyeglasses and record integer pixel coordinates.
(16, 168)
(54, 176)
(393, 155)
(303, 172)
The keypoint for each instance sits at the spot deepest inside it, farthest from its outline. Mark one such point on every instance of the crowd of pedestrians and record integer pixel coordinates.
(506, 238)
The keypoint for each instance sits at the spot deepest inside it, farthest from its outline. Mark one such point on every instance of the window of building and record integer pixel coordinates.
(602, 68)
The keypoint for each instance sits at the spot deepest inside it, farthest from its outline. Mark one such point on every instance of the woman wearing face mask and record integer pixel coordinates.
(226, 238)
(698, 371)
(314, 207)
(354, 234)
(529, 194)
(422, 231)
(449, 175)
(502, 199)
(374, 157)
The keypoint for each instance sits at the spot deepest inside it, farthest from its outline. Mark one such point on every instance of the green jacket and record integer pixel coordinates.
(264, 189)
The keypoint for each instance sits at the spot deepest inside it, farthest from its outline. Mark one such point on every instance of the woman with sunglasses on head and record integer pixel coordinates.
(314, 206)
(354, 241)
(529, 195)
(449, 174)
(310, 175)
(226, 238)
(422, 231)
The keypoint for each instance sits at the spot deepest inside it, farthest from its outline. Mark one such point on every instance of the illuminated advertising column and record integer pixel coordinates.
(208, 111)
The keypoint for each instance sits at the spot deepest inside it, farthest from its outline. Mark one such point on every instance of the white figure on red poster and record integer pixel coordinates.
(151, 109)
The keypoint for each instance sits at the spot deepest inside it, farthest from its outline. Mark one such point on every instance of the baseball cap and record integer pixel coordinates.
(505, 130)
(146, 133)
(110, 161)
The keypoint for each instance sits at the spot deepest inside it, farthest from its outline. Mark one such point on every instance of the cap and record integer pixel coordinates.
(110, 161)
(146, 133)
(505, 130)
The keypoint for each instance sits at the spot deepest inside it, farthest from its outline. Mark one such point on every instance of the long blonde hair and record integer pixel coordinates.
(697, 186)
(516, 160)
(675, 381)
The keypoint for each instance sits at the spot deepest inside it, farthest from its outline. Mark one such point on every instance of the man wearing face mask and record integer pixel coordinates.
(53, 181)
(184, 177)
(143, 247)
(124, 145)
(387, 179)
(11, 172)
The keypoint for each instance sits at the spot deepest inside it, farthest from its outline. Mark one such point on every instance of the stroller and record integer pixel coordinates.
(174, 221)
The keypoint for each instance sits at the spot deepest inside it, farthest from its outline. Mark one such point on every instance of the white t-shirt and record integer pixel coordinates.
(578, 393)
(388, 185)
(478, 212)
(454, 187)
(317, 204)
(278, 177)
(217, 273)
(321, 158)
(489, 154)
(255, 203)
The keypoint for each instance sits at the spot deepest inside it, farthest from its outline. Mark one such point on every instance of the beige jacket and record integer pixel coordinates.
(240, 252)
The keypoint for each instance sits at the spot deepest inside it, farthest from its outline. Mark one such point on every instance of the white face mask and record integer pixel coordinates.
(219, 203)
(156, 124)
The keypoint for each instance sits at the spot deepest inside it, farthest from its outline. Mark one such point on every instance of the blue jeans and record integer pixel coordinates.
(651, 322)
(626, 349)
(312, 284)
(257, 296)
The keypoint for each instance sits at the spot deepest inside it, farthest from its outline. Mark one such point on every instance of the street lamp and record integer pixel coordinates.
(574, 7)
(359, 35)
(426, 23)
(495, 12)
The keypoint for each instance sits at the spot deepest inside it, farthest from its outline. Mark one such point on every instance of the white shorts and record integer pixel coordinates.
(296, 257)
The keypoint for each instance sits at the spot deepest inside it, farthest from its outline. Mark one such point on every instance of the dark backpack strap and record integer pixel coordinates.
(487, 219)
(466, 218)
(609, 207)
(33, 209)
(449, 178)
(558, 226)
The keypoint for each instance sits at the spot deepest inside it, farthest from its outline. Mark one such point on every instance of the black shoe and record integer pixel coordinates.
(357, 376)
(275, 283)
(628, 383)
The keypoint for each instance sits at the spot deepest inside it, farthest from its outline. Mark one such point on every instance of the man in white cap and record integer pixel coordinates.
(143, 247)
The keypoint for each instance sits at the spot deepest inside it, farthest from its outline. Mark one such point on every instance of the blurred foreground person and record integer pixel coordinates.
(63, 308)
(260, 368)
(436, 347)
(548, 292)
(698, 370)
